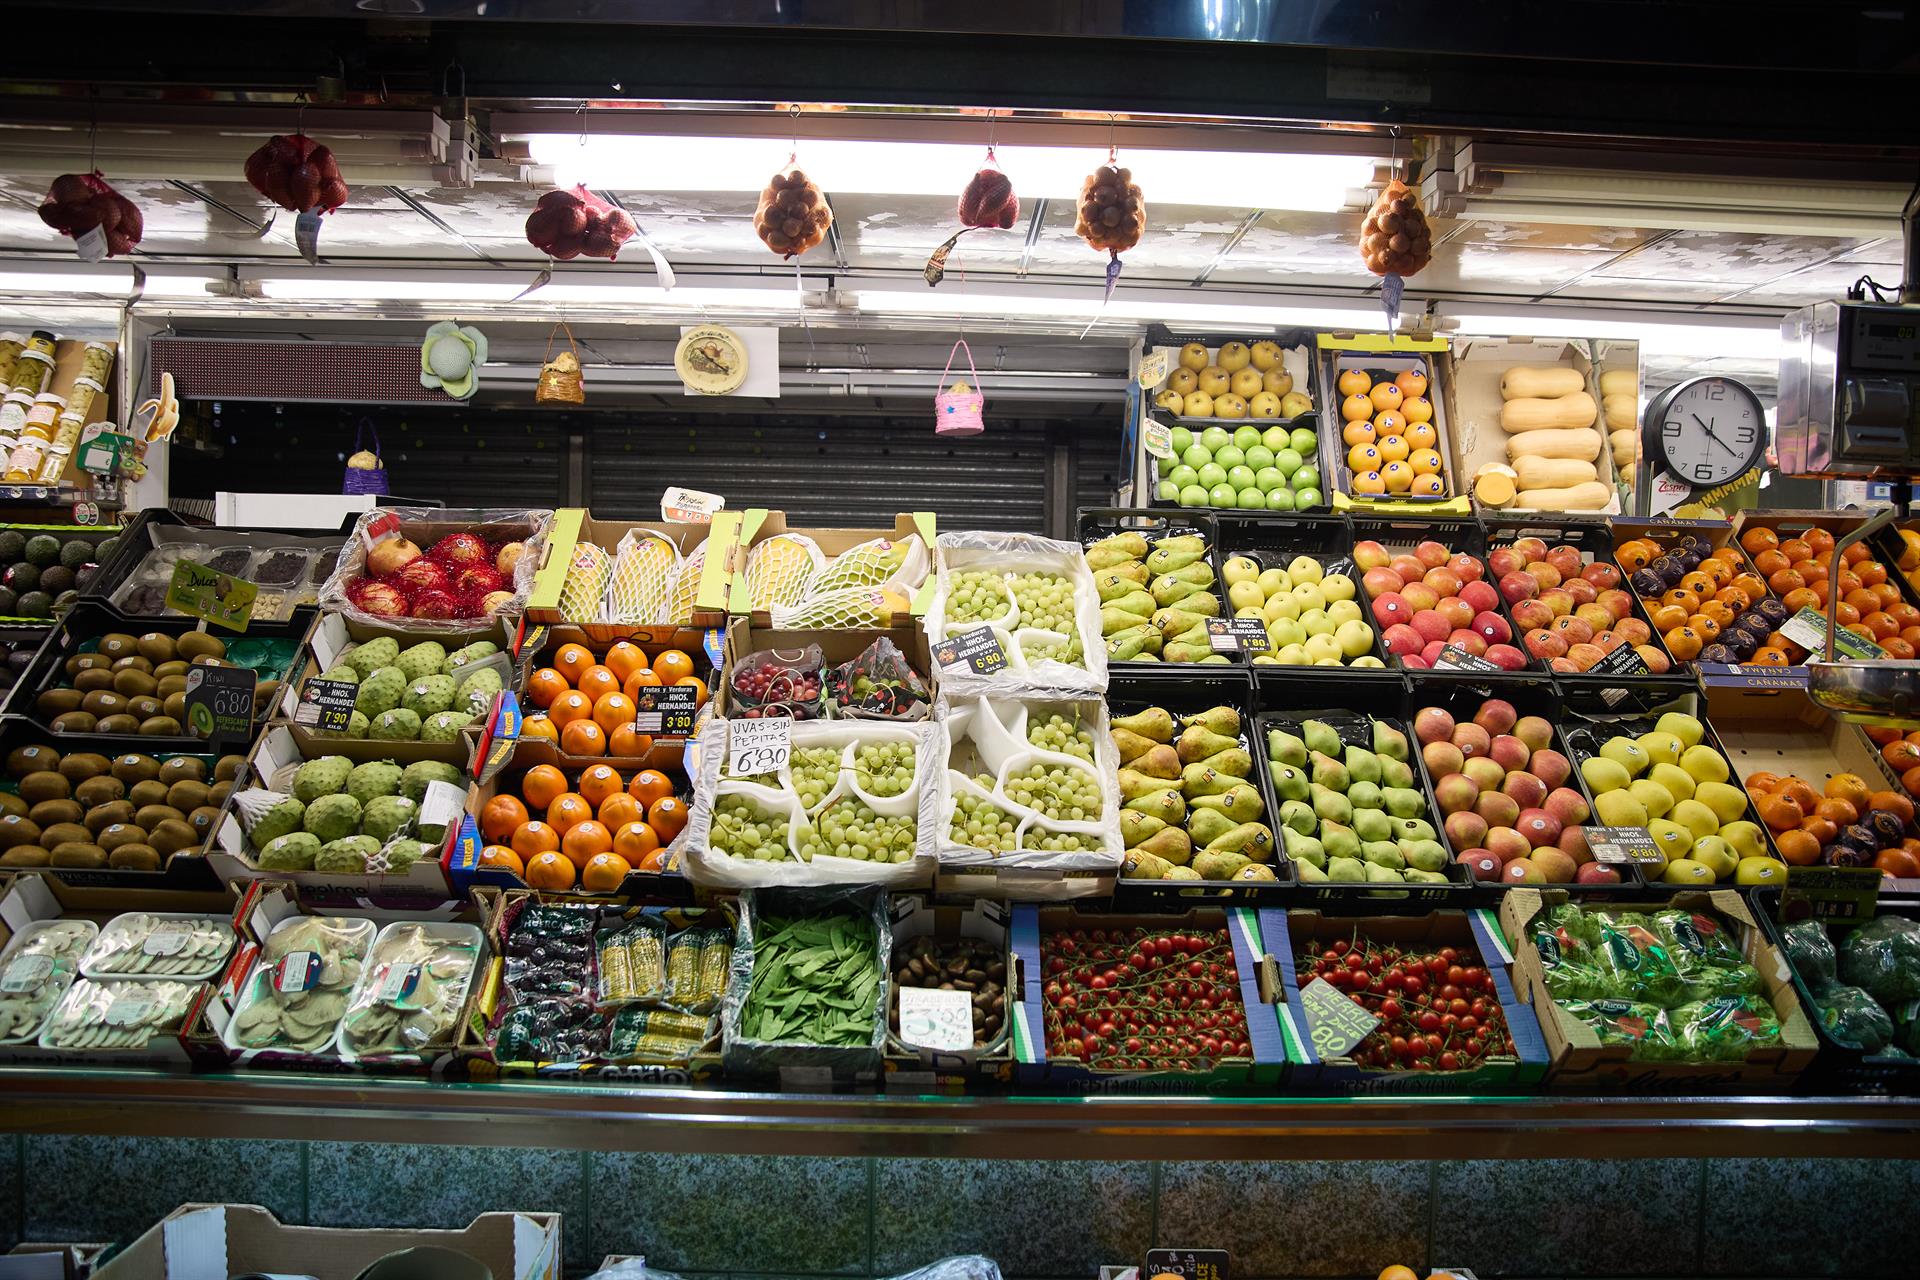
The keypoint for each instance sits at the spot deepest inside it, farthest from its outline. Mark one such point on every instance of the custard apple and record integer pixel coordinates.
(349, 853)
(357, 724)
(333, 817)
(292, 852)
(278, 821)
(398, 725)
(402, 854)
(374, 654)
(472, 653)
(381, 691)
(477, 690)
(428, 695)
(387, 816)
(445, 727)
(422, 659)
(374, 779)
(342, 671)
(413, 782)
(322, 777)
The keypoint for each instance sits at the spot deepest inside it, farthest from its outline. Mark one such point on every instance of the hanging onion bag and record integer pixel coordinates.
(793, 215)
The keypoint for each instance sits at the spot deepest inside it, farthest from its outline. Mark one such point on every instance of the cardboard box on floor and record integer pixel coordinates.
(1578, 1062)
(759, 524)
(575, 525)
(202, 1241)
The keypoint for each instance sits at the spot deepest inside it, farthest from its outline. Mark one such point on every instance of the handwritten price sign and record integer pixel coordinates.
(1334, 1023)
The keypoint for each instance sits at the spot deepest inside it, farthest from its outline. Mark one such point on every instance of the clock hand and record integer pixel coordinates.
(1716, 439)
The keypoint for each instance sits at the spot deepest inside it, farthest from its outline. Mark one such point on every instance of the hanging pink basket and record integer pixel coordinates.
(957, 413)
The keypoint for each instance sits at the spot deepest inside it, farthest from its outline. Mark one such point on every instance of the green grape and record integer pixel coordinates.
(764, 779)
(745, 830)
(976, 596)
(982, 824)
(884, 768)
(1060, 841)
(1046, 601)
(1056, 792)
(849, 829)
(1057, 733)
(1067, 651)
(815, 770)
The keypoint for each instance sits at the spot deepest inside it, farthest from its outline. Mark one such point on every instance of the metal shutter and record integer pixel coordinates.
(1096, 462)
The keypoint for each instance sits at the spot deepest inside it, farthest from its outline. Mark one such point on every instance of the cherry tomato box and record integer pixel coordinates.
(1100, 1012)
(1498, 1049)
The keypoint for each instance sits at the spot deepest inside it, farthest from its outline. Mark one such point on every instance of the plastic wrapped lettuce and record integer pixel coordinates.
(1640, 1026)
(1811, 951)
(1882, 957)
(1705, 954)
(1854, 1018)
(1566, 939)
(1636, 960)
(1724, 1028)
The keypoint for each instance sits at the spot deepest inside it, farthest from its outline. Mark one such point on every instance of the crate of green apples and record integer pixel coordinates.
(1250, 467)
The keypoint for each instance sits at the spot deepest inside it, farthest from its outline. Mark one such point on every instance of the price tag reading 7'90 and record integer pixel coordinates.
(758, 746)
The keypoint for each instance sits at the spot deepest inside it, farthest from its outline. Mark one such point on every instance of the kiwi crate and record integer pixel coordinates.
(44, 566)
(101, 669)
(1096, 524)
(136, 819)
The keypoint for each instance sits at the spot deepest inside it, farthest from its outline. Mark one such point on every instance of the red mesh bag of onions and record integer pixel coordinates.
(297, 173)
(77, 203)
(576, 223)
(1395, 239)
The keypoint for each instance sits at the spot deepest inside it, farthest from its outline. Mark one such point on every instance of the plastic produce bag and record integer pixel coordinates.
(1635, 959)
(1038, 598)
(825, 954)
(879, 684)
(1565, 938)
(779, 682)
(1811, 951)
(640, 584)
(1642, 1027)
(1882, 957)
(1724, 1029)
(899, 563)
(1854, 1018)
(1705, 955)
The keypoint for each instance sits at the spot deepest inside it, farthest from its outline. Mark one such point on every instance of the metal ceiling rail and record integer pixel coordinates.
(609, 1115)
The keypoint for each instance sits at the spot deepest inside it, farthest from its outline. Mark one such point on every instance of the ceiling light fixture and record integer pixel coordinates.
(1135, 308)
(108, 279)
(504, 286)
(1757, 339)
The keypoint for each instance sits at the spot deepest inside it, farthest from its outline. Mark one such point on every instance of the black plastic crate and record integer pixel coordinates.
(1309, 421)
(1460, 535)
(1096, 523)
(1171, 690)
(90, 576)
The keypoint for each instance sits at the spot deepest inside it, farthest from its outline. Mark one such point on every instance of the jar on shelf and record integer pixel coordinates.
(80, 397)
(13, 413)
(96, 362)
(41, 341)
(68, 435)
(31, 372)
(54, 465)
(23, 464)
(10, 345)
(43, 418)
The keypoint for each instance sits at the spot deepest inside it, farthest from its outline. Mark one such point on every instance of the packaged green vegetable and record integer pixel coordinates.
(1854, 1018)
(1642, 1027)
(1811, 951)
(1568, 957)
(1635, 960)
(808, 986)
(1705, 954)
(1882, 957)
(1725, 1028)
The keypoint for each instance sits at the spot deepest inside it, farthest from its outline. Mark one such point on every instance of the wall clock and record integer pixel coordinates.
(1698, 435)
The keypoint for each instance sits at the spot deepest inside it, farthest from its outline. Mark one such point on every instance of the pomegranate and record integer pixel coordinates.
(389, 556)
(458, 550)
(420, 575)
(477, 581)
(377, 598)
(437, 604)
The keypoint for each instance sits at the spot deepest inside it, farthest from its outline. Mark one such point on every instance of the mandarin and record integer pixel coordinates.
(551, 871)
(583, 738)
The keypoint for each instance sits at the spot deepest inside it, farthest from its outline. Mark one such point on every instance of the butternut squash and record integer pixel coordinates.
(1540, 382)
(1531, 414)
(1625, 444)
(1555, 442)
(1620, 382)
(1589, 496)
(1620, 410)
(1553, 473)
(1493, 485)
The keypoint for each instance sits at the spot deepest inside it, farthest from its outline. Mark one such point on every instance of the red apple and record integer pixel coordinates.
(1415, 662)
(1433, 554)
(1542, 643)
(1566, 806)
(1551, 768)
(1530, 615)
(1602, 575)
(1522, 871)
(1379, 582)
(1433, 724)
(1471, 739)
(1370, 555)
(1421, 596)
(1539, 826)
(1617, 602)
(1496, 716)
(1402, 640)
(1562, 663)
(1526, 791)
(1502, 561)
(1595, 615)
(1634, 631)
(1566, 560)
(1581, 657)
(1530, 549)
(1482, 863)
(1507, 844)
(1573, 843)
(1572, 629)
(1492, 627)
(1555, 865)
(1467, 568)
(1519, 586)
(1470, 641)
(1430, 651)
(1441, 758)
(1443, 580)
(1582, 591)
(1655, 658)
(1455, 794)
(1499, 810)
(1596, 873)
(1465, 829)
(1457, 612)
(1481, 595)
(1544, 574)
(1506, 657)
(1510, 753)
(1390, 608)
(1409, 567)
(1485, 773)
(1557, 599)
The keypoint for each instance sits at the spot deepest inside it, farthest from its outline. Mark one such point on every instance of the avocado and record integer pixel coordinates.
(13, 545)
(75, 553)
(43, 549)
(9, 602)
(56, 580)
(34, 604)
(23, 577)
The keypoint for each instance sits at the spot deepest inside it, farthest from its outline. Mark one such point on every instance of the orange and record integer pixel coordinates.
(634, 840)
(617, 810)
(1763, 781)
(1699, 583)
(641, 678)
(583, 738)
(1821, 542)
(1901, 756)
(599, 782)
(650, 786)
(543, 785)
(1772, 656)
(1387, 422)
(614, 711)
(1796, 549)
(1780, 813)
(699, 687)
(550, 871)
(1719, 570)
(1898, 647)
(1850, 787)
(1801, 792)
(1386, 396)
(667, 816)
(1799, 848)
(1636, 554)
(1911, 781)
(544, 685)
(539, 727)
(1784, 581)
(1891, 802)
(1667, 616)
(535, 838)
(1356, 408)
(567, 811)
(597, 681)
(624, 658)
(1357, 433)
(572, 660)
(585, 839)
(604, 873)
(570, 706)
(1770, 562)
(498, 855)
(1872, 573)
(1354, 382)
(1821, 829)
(655, 861)
(1412, 383)
(1838, 812)
(1897, 863)
(501, 816)
(628, 743)
(1757, 539)
(1751, 584)
(1683, 643)
(1394, 448)
(1421, 435)
(672, 666)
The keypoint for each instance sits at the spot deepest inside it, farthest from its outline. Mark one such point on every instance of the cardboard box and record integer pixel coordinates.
(759, 524)
(744, 637)
(574, 525)
(914, 1068)
(1475, 400)
(1287, 931)
(537, 643)
(1580, 1063)
(335, 633)
(1381, 354)
(1254, 964)
(197, 1241)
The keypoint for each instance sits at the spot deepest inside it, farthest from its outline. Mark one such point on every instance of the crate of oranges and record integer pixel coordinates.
(581, 689)
(1794, 550)
(598, 827)
(1386, 438)
(1845, 822)
(1704, 598)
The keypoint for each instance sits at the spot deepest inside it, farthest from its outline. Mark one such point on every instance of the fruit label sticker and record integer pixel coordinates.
(1157, 438)
(86, 513)
(1187, 1264)
(91, 245)
(689, 506)
(298, 971)
(220, 598)
(326, 706)
(25, 973)
(1454, 658)
(1334, 1023)
(1237, 635)
(1153, 370)
(1624, 844)
(1808, 629)
(668, 711)
(220, 706)
(1830, 893)
(759, 746)
(936, 1019)
(979, 650)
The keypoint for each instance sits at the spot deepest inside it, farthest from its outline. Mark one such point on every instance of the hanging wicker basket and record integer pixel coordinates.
(560, 381)
(364, 480)
(957, 407)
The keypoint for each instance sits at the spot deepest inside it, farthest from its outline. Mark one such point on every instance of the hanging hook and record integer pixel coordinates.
(993, 119)
(793, 152)
(581, 111)
(93, 132)
(1113, 147)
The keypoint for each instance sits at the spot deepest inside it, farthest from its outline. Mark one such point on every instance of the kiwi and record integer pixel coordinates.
(133, 683)
(175, 705)
(264, 694)
(208, 660)
(135, 767)
(186, 795)
(94, 679)
(25, 855)
(160, 727)
(65, 833)
(22, 761)
(227, 768)
(145, 707)
(44, 785)
(134, 857)
(203, 820)
(152, 815)
(119, 724)
(75, 722)
(117, 644)
(193, 645)
(12, 804)
(100, 789)
(103, 702)
(147, 791)
(48, 812)
(156, 646)
(172, 836)
(112, 813)
(167, 686)
(79, 662)
(161, 670)
(58, 702)
(182, 769)
(133, 662)
(76, 854)
(82, 765)
(120, 833)
(17, 830)
(217, 793)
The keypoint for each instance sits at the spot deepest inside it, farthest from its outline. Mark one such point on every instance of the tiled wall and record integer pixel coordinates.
(714, 1216)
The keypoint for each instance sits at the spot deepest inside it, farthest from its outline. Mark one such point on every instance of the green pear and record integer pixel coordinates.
(1309, 873)
(1187, 651)
(1109, 585)
(1198, 742)
(1289, 783)
(1205, 780)
(1132, 643)
(1134, 571)
(1166, 804)
(1219, 864)
(1258, 871)
(1383, 853)
(1170, 591)
(1205, 825)
(1234, 760)
(1200, 573)
(1362, 765)
(1419, 875)
(1173, 844)
(1183, 873)
(1173, 622)
(1426, 855)
(1241, 802)
(1377, 874)
(1412, 829)
(1331, 805)
(1161, 761)
(1321, 737)
(1328, 772)
(1339, 841)
(1222, 720)
(1131, 543)
(1137, 828)
(1405, 802)
(1286, 748)
(1112, 552)
(1298, 815)
(1371, 824)
(1395, 773)
(1155, 723)
(1175, 553)
(1365, 795)
(1141, 865)
(1389, 741)
(1346, 870)
(1204, 603)
(1130, 745)
(1251, 839)
(1303, 849)
(1129, 610)
(1197, 634)
(1134, 783)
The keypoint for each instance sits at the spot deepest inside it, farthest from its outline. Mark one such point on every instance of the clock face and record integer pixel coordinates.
(1711, 430)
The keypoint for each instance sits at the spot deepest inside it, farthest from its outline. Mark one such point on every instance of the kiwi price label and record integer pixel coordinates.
(1187, 1264)
(1623, 844)
(326, 706)
(220, 598)
(1334, 1023)
(220, 706)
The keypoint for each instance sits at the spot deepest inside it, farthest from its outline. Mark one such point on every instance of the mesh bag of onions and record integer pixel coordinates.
(793, 215)
(1395, 239)
(1112, 211)
(576, 223)
(297, 173)
(77, 203)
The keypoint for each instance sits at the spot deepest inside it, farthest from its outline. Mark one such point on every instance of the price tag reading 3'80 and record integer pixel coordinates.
(758, 746)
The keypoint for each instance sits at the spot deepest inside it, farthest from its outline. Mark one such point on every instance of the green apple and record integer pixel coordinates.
(1629, 755)
(1246, 437)
(1269, 479)
(1305, 569)
(1274, 581)
(1307, 477)
(1282, 632)
(1250, 611)
(1337, 586)
(1672, 839)
(1275, 438)
(1602, 773)
(1745, 838)
(1182, 439)
(1355, 636)
(1716, 855)
(1167, 491)
(1316, 622)
(1324, 646)
(1697, 818)
(1196, 455)
(1259, 456)
(1306, 499)
(1682, 726)
(1704, 763)
(1661, 748)
(1760, 870)
(1229, 456)
(1368, 661)
(1340, 611)
(1294, 655)
(1212, 474)
(1241, 477)
(1216, 437)
(1329, 662)
(1251, 499)
(1165, 466)
(1239, 569)
(1310, 596)
(1289, 461)
(1281, 605)
(1280, 498)
(1687, 871)
(1304, 441)
(1192, 495)
(1245, 595)
(1223, 495)
(1184, 475)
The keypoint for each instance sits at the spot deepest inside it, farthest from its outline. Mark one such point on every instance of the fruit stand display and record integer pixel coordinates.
(1707, 601)
(445, 568)
(1243, 430)
(828, 579)
(1034, 597)
(1794, 551)
(48, 566)
(1427, 586)
(1158, 579)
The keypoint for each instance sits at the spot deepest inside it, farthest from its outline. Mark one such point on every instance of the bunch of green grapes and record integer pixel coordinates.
(884, 768)
(1060, 841)
(1056, 792)
(976, 596)
(982, 823)
(848, 829)
(1057, 733)
(1065, 651)
(814, 770)
(745, 830)
(1046, 601)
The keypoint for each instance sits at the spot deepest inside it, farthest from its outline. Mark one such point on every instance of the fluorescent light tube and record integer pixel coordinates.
(1081, 307)
(1759, 340)
(107, 279)
(503, 286)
